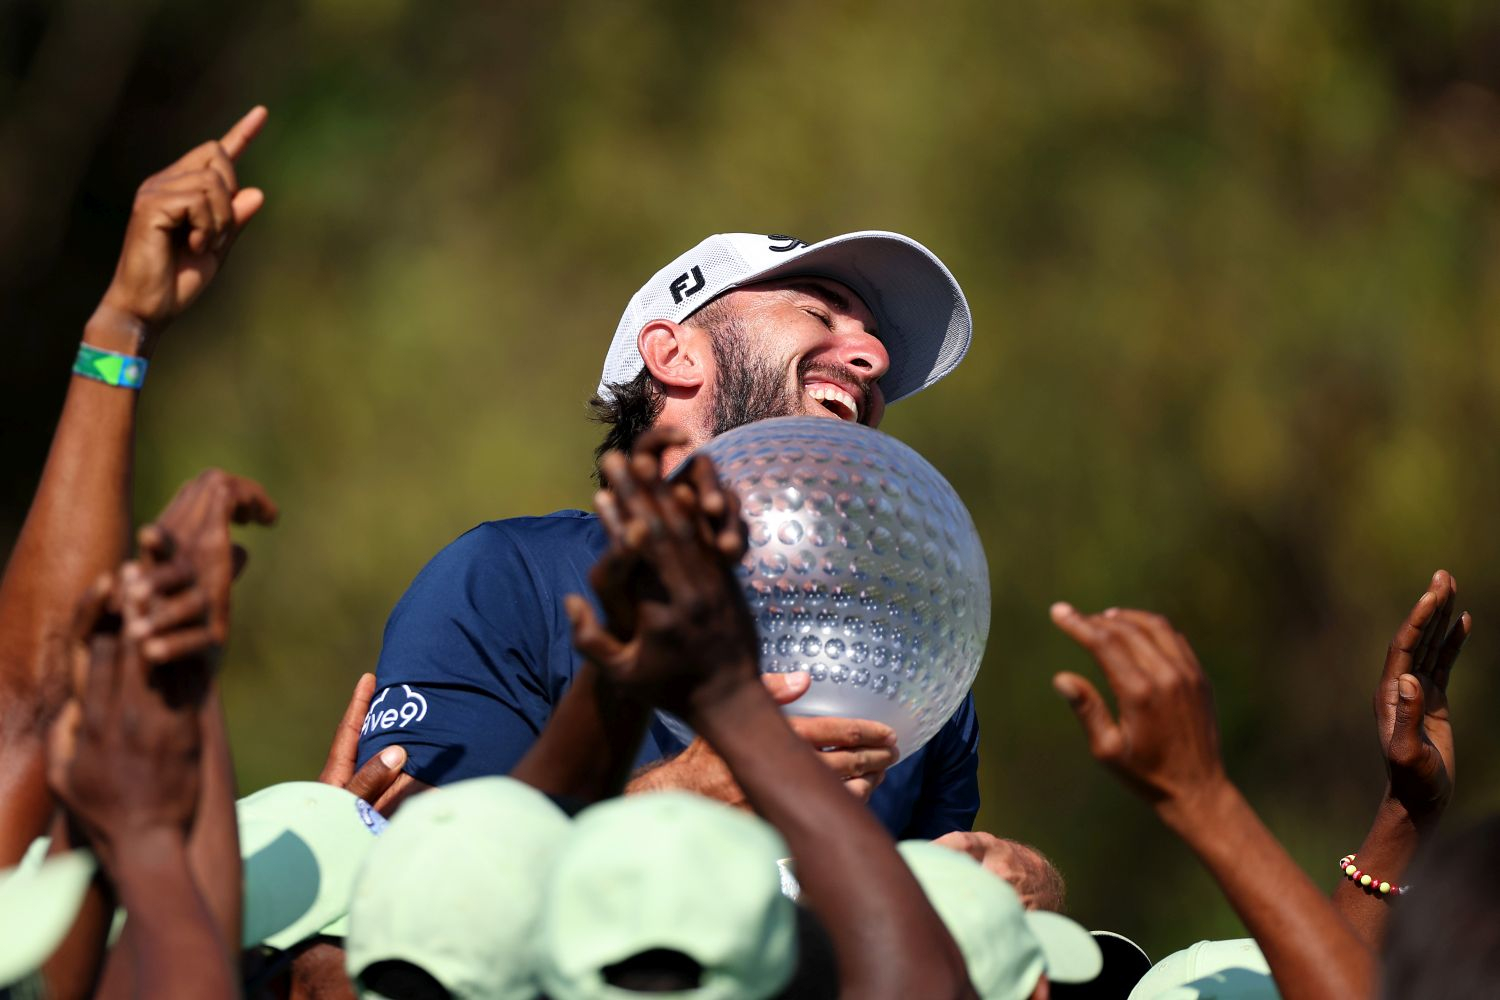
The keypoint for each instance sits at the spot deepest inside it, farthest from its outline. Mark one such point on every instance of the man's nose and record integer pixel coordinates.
(863, 352)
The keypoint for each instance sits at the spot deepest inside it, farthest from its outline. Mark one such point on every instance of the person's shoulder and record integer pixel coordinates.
(489, 539)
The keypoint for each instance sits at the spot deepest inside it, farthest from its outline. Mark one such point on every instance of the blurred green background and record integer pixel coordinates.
(1234, 268)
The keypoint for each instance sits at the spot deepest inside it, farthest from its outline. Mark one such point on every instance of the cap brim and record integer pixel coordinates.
(921, 315)
(37, 908)
(302, 844)
(1071, 953)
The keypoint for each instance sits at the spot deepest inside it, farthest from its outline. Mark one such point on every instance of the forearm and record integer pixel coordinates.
(73, 969)
(845, 876)
(175, 946)
(1387, 849)
(77, 528)
(214, 842)
(588, 746)
(1311, 951)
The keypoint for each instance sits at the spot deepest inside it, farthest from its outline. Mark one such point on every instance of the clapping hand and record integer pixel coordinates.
(1165, 743)
(677, 624)
(190, 541)
(1411, 703)
(121, 756)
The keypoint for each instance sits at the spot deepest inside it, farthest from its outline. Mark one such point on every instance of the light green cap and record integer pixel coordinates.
(38, 904)
(672, 871)
(302, 843)
(1005, 946)
(1210, 970)
(454, 886)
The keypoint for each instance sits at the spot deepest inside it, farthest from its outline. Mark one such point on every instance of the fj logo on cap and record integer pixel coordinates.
(679, 286)
(784, 244)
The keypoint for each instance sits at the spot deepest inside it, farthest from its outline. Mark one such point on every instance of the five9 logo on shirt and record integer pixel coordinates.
(380, 717)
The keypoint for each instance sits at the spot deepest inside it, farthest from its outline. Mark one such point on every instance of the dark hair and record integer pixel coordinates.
(629, 409)
(1444, 938)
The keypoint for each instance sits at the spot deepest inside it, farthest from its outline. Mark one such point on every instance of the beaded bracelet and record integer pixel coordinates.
(1369, 883)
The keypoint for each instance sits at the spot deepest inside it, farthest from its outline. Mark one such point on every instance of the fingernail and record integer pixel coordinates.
(1061, 609)
(393, 756)
(1407, 686)
(153, 649)
(890, 740)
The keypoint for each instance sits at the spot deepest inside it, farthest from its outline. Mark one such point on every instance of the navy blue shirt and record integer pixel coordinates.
(478, 652)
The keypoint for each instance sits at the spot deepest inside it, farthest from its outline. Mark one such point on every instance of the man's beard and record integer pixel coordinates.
(749, 388)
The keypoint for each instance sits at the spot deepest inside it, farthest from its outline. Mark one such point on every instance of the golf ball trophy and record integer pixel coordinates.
(864, 569)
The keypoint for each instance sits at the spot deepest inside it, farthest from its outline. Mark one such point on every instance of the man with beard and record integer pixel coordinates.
(742, 327)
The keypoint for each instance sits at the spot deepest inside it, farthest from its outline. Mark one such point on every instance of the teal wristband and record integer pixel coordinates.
(124, 370)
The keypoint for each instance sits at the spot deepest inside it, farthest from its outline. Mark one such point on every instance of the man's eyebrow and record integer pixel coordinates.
(829, 295)
(818, 291)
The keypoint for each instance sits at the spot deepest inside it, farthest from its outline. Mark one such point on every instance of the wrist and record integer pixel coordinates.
(1394, 815)
(725, 701)
(114, 329)
(1202, 808)
(138, 855)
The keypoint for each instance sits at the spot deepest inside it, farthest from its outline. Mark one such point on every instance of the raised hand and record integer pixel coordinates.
(677, 622)
(1411, 702)
(1165, 743)
(1165, 746)
(121, 758)
(184, 221)
(190, 541)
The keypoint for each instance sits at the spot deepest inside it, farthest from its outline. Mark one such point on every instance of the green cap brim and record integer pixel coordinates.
(37, 909)
(1071, 953)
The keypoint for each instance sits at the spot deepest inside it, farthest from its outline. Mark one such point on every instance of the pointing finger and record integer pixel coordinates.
(243, 131)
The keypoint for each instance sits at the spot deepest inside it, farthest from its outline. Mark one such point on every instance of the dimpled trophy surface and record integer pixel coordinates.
(864, 569)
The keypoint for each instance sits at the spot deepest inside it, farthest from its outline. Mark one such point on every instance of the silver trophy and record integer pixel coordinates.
(864, 569)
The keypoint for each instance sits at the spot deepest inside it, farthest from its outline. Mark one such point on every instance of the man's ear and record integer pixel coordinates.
(675, 354)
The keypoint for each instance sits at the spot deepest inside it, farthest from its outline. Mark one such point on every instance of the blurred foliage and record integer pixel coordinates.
(1235, 271)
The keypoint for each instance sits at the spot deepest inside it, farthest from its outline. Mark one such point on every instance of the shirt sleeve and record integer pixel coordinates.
(461, 682)
(950, 785)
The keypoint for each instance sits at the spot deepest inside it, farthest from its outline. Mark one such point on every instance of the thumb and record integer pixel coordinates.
(62, 743)
(344, 749)
(1406, 734)
(247, 201)
(1098, 725)
(787, 688)
(378, 774)
(589, 637)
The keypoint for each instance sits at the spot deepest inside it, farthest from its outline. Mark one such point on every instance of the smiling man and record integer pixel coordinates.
(740, 328)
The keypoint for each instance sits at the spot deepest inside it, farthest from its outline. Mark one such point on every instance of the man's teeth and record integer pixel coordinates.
(829, 394)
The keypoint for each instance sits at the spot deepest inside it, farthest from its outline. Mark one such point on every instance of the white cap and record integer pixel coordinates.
(921, 316)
